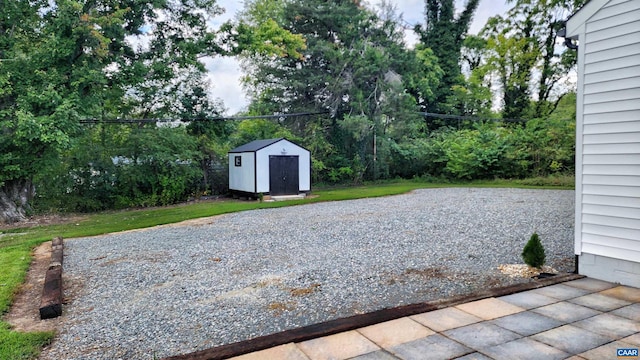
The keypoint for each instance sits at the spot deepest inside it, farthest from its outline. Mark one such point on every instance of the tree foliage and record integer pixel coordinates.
(356, 67)
(66, 60)
(344, 63)
(533, 253)
(444, 34)
(525, 56)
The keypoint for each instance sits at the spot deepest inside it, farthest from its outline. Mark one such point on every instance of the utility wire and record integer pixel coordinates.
(473, 118)
(276, 116)
(217, 118)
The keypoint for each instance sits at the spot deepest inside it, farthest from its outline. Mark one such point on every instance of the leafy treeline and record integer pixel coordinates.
(67, 60)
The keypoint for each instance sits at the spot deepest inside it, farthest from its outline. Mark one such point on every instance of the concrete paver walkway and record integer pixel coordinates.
(579, 319)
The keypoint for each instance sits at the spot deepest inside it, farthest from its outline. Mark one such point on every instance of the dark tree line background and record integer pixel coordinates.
(67, 60)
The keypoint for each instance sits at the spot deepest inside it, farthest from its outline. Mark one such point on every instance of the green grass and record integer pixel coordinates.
(16, 244)
(15, 263)
(17, 345)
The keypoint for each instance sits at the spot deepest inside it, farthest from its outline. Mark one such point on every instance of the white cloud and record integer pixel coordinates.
(225, 73)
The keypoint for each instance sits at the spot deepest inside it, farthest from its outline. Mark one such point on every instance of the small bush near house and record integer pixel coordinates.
(533, 252)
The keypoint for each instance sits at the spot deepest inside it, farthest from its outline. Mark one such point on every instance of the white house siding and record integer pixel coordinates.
(608, 140)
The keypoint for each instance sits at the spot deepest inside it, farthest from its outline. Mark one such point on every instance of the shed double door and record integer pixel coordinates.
(283, 175)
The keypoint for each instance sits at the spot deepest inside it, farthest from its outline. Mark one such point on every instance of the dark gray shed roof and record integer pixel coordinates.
(255, 145)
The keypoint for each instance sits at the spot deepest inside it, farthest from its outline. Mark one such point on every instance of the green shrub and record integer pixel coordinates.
(533, 252)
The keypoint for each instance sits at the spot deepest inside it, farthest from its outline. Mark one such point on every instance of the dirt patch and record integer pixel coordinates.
(430, 272)
(58, 219)
(280, 307)
(41, 220)
(24, 314)
(304, 291)
(196, 222)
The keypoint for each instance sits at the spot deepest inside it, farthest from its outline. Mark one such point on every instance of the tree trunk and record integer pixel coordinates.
(15, 196)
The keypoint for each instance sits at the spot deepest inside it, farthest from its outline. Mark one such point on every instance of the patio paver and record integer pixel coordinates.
(528, 300)
(609, 325)
(432, 347)
(489, 309)
(600, 302)
(624, 293)
(577, 320)
(445, 319)
(567, 312)
(481, 335)
(591, 284)
(289, 352)
(571, 339)
(630, 312)
(561, 291)
(527, 323)
(338, 347)
(525, 349)
(395, 332)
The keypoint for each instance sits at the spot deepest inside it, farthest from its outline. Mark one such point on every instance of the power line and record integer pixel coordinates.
(217, 118)
(277, 116)
(472, 118)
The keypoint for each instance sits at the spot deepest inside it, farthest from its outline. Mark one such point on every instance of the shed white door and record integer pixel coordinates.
(283, 175)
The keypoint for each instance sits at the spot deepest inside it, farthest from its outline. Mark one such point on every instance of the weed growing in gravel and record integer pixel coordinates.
(533, 252)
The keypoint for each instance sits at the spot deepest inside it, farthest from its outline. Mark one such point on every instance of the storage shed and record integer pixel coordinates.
(607, 228)
(272, 166)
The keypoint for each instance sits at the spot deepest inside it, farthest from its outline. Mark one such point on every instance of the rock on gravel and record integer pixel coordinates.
(173, 290)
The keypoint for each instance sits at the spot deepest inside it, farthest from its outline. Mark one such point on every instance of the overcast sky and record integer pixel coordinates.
(225, 73)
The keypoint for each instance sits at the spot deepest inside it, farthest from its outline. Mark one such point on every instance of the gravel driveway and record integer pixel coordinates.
(173, 290)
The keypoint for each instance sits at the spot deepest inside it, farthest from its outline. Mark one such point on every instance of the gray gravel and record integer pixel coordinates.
(173, 290)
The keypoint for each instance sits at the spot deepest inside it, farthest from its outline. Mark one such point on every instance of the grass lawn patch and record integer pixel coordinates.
(19, 345)
(15, 262)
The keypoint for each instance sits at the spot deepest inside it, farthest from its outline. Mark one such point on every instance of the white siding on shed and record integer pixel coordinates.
(242, 177)
(288, 148)
(608, 129)
(252, 176)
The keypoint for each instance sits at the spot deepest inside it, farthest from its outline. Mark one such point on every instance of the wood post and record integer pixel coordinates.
(51, 302)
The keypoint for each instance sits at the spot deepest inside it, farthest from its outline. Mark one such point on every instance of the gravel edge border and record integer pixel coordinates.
(51, 301)
(354, 322)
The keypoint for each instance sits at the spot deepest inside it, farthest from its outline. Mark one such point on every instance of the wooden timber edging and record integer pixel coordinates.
(357, 321)
(51, 301)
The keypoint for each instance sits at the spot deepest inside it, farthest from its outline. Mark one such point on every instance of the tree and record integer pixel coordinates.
(529, 62)
(512, 60)
(533, 253)
(355, 65)
(473, 96)
(444, 34)
(67, 60)
(51, 72)
(194, 108)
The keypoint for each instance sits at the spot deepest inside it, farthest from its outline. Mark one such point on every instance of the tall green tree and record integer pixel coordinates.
(66, 60)
(473, 96)
(527, 58)
(355, 67)
(444, 33)
(53, 56)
